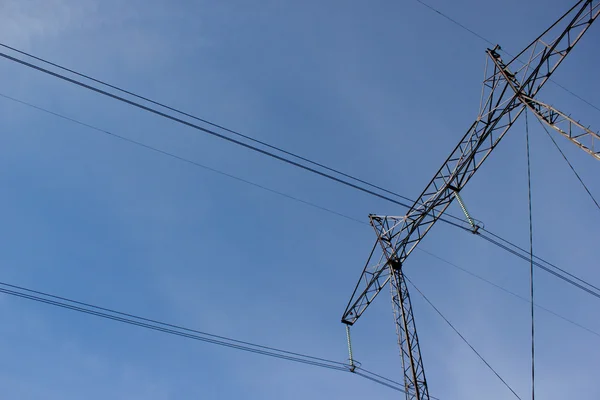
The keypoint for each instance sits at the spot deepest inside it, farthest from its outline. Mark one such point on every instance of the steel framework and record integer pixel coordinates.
(505, 95)
(581, 136)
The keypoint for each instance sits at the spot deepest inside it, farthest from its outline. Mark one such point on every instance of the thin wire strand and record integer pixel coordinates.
(234, 132)
(174, 156)
(180, 112)
(389, 381)
(462, 337)
(595, 288)
(460, 25)
(274, 156)
(364, 182)
(218, 135)
(237, 133)
(169, 331)
(526, 300)
(529, 202)
(575, 95)
(379, 381)
(382, 380)
(194, 163)
(188, 333)
(333, 212)
(108, 310)
(311, 204)
(570, 165)
(328, 176)
(455, 22)
(539, 265)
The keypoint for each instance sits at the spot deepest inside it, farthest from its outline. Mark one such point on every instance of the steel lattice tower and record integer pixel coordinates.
(507, 90)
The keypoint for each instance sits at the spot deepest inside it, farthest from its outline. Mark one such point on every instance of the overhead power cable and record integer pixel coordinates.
(235, 141)
(296, 199)
(328, 176)
(159, 326)
(570, 165)
(108, 313)
(366, 373)
(462, 337)
(472, 32)
(530, 256)
(387, 198)
(455, 22)
(234, 132)
(383, 381)
(525, 256)
(379, 381)
(510, 292)
(510, 247)
(541, 263)
(245, 145)
(176, 157)
(224, 137)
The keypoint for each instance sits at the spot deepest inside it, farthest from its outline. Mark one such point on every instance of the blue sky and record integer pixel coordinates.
(382, 90)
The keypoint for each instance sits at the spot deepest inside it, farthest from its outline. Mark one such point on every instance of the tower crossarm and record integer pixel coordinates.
(499, 109)
(581, 136)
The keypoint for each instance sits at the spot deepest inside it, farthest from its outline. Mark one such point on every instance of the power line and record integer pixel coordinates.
(169, 325)
(570, 165)
(273, 156)
(379, 381)
(329, 177)
(106, 313)
(152, 324)
(224, 137)
(176, 157)
(234, 132)
(383, 381)
(296, 199)
(545, 268)
(455, 22)
(283, 159)
(530, 256)
(590, 288)
(575, 95)
(464, 27)
(462, 337)
(594, 290)
(474, 275)
(249, 146)
(268, 189)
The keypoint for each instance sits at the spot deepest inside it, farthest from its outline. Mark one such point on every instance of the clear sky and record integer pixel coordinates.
(382, 90)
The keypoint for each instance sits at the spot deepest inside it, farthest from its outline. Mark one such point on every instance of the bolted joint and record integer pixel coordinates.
(394, 263)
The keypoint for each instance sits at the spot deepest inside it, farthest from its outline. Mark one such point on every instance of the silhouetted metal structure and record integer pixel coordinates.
(507, 90)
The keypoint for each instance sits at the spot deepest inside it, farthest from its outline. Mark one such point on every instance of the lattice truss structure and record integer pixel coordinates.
(509, 88)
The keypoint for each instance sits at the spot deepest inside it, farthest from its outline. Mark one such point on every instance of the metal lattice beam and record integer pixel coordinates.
(499, 109)
(504, 97)
(415, 383)
(581, 136)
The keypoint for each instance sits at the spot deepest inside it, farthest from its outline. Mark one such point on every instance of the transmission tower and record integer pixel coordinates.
(509, 88)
